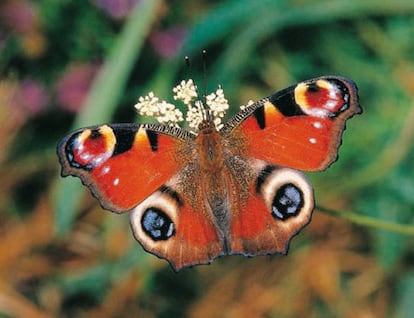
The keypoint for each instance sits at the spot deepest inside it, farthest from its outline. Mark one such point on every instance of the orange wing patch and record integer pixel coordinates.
(122, 164)
(300, 127)
(304, 143)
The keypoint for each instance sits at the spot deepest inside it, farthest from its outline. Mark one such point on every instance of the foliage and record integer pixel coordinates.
(66, 64)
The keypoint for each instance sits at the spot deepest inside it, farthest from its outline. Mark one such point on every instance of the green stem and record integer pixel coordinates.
(102, 100)
(369, 221)
(108, 87)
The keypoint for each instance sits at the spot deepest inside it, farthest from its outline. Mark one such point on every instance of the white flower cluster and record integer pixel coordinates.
(186, 92)
(164, 112)
(194, 115)
(218, 105)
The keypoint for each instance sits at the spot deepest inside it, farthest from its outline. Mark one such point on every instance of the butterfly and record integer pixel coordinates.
(233, 188)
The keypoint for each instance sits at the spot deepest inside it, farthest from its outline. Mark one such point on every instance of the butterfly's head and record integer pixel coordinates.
(211, 109)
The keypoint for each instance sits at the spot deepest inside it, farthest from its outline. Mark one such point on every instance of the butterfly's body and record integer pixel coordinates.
(221, 179)
(232, 190)
(215, 180)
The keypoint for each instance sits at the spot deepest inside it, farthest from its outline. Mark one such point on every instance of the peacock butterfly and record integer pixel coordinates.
(230, 188)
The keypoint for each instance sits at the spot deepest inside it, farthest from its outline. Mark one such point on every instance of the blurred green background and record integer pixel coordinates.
(67, 64)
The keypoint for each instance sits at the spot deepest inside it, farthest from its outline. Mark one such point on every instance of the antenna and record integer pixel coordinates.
(204, 57)
(203, 97)
(204, 60)
(187, 62)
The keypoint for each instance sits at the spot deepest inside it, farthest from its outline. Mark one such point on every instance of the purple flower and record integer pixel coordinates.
(34, 96)
(29, 97)
(117, 9)
(73, 86)
(168, 43)
(20, 16)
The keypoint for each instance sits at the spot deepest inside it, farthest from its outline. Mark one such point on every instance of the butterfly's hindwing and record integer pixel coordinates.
(174, 223)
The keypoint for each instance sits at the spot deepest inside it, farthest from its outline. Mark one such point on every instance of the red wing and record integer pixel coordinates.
(279, 204)
(123, 163)
(174, 224)
(299, 127)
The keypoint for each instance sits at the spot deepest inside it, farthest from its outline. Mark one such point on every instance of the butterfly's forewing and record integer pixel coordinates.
(122, 164)
(299, 127)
